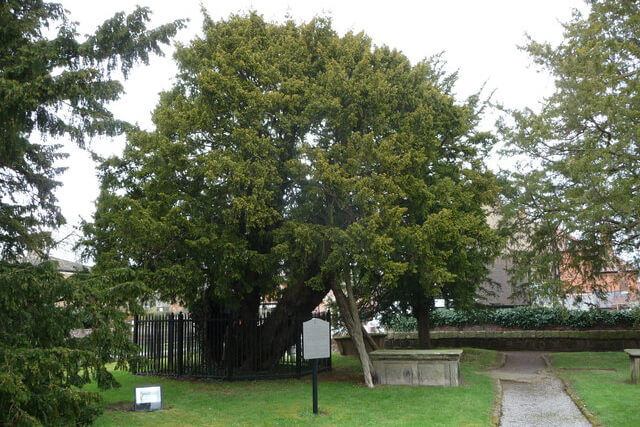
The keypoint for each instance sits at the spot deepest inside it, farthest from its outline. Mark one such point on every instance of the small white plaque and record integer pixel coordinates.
(148, 398)
(316, 338)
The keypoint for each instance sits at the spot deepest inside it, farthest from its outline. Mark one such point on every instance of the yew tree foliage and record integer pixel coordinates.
(579, 201)
(289, 154)
(41, 364)
(55, 83)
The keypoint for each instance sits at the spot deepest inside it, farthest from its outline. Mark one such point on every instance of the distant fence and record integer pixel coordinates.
(218, 348)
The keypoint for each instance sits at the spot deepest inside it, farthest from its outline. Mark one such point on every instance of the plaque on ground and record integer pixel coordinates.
(316, 339)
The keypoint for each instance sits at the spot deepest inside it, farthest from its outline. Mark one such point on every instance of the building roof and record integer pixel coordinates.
(64, 266)
(67, 266)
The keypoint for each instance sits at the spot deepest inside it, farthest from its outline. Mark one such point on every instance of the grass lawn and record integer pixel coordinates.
(602, 380)
(343, 400)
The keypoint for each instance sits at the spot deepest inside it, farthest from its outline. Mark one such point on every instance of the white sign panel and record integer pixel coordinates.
(148, 398)
(316, 338)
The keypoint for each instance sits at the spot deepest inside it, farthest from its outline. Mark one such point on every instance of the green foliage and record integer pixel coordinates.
(522, 317)
(42, 365)
(399, 322)
(576, 204)
(36, 388)
(286, 153)
(56, 85)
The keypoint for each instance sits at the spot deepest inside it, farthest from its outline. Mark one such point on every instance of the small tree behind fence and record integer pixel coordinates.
(220, 348)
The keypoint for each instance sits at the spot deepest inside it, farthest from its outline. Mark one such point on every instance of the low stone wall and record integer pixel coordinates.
(346, 347)
(609, 340)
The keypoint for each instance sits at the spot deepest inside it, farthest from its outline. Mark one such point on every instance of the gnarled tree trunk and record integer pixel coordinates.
(262, 344)
(279, 330)
(351, 318)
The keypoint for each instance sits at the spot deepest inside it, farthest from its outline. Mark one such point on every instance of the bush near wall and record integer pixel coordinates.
(522, 318)
(530, 340)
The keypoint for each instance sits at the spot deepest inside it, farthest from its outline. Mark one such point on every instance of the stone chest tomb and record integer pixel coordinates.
(417, 367)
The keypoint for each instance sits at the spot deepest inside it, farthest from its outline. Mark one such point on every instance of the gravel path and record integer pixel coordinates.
(531, 396)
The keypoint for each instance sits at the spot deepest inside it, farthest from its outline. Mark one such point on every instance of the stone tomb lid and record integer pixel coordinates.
(453, 354)
(633, 352)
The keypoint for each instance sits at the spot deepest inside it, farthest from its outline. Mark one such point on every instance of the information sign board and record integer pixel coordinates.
(316, 338)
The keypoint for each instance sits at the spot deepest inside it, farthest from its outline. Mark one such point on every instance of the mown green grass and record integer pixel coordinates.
(343, 400)
(602, 380)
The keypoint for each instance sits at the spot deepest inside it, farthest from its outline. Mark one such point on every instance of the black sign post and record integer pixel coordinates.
(314, 364)
(316, 337)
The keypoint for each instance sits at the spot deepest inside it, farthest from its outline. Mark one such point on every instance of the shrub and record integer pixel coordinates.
(399, 322)
(521, 317)
(42, 367)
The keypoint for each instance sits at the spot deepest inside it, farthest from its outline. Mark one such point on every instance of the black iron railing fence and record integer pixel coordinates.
(219, 348)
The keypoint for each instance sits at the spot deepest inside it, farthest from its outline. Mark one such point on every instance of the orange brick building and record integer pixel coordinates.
(617, 284)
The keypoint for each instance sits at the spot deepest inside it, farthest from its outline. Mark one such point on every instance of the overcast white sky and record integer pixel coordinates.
(479, 38)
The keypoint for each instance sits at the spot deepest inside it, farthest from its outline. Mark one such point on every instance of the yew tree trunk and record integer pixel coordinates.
(351, 319)
(262, 345)
(280, 331)
(422, 312)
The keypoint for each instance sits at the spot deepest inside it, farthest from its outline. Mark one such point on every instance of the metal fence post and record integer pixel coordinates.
(180, 343)
(231, 354)
(135, 329)
(171, 346)
(136, 325)
(156, 344)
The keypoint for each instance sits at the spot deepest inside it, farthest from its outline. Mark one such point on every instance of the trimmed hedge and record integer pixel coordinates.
(523, 318)
(529, 334)
(543, 340)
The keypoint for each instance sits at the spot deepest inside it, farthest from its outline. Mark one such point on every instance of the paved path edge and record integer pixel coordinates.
(568, 388)
(497, 405)
(497, 401)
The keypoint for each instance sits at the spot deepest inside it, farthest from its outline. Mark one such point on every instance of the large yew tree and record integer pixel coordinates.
(289, 161)
(55, 83)
(577, 204)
